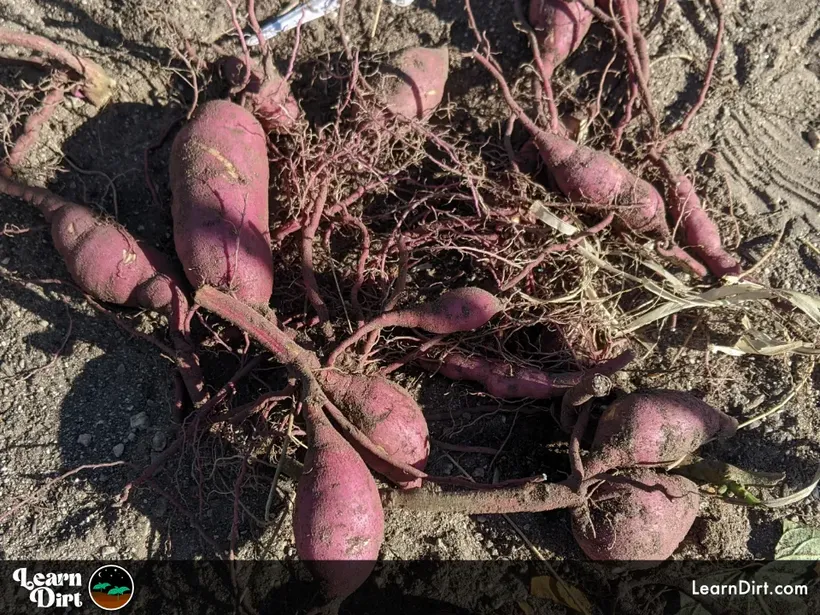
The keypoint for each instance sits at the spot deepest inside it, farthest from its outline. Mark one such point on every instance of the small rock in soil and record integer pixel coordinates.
(139, 421)
(118, 450)
(108, 551)
(84, 439)
(158, 441)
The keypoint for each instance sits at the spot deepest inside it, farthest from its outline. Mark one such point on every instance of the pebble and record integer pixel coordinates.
(131, 436)
(5, 261)
(814, 139)
(118, 450)
(84, 439)
(139, 421)
(121, 368)
(440, 544)
(108, 551)
(159, 441)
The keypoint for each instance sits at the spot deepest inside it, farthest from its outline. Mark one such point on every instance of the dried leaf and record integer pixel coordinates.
(525, 608)
(795, 497)
(540, 211)
(561, 593)
(754, 341)
(798, 542)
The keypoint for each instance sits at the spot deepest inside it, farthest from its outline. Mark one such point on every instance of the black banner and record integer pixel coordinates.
(415, 587)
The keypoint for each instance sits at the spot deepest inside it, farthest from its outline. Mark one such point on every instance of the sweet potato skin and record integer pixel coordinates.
(654, 426)
(559, 27)
(414, 80)
(338, 521)
(463, 309)
(388, 415)
(219, 180)
(627, 523)
(699, 232)
(107, 262)
(599, 182)
(267, 95)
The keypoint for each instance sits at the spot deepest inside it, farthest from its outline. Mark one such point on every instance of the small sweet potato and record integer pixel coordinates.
(413, 81)
(338, 521)
(644, 518)
(463, 309)
(267, 95)
(219, 180)
(560, 27)
(652, 427)
(700, 233)
(387, 414)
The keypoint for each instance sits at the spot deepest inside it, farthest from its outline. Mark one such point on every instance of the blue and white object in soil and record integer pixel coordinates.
(301, 14)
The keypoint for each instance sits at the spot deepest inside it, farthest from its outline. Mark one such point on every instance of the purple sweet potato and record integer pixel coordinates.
(108, 263)
(388, 415)
(507, 382)
(413, 81)
(644, 519)
(463, 309)
(560, 27)
(267, 95)
(654, 427)
(700, 233)
(103, 258)
(338, 521)
(219, 179)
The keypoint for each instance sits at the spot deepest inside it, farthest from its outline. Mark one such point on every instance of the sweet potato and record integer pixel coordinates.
(338, 521)
(700, 233)
(267, 95)
(560, 27)
(644, 519)
(103, 258)
(387, 414)
(463, 309)
(653, 427)
(108, 263)
(413, 81)
(506, 382)
(597, 182)
(219, 180)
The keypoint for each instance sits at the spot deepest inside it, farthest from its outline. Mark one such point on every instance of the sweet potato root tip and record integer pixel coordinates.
(643, 519)
(97, 85)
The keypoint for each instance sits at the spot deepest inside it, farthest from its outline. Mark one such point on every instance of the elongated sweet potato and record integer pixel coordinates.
(463, 309)
(388, 415)
(643, 520)
(338, 522)
(110, 264)
(219, 179)
(700, 233)
(652, 427)
(507, 382)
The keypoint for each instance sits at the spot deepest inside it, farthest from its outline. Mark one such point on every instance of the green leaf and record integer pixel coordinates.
(798, 542)
(561, 593)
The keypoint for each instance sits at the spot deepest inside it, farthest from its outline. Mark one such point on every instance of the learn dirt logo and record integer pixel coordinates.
(111, 587)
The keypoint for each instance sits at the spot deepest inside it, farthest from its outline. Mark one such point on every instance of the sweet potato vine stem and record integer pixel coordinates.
(304, 364)
(97, 84)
